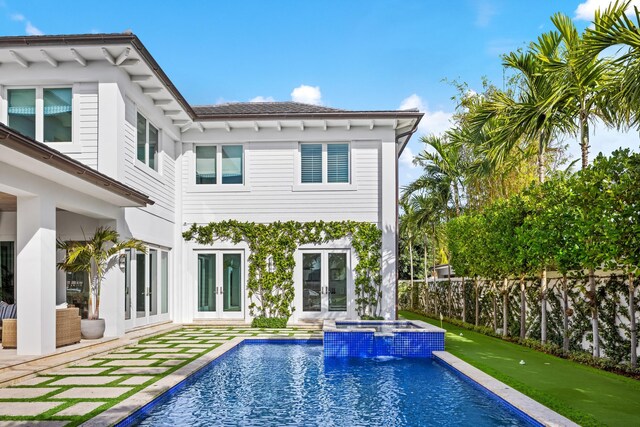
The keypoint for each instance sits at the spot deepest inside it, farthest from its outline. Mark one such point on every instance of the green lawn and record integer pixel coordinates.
(586, 395)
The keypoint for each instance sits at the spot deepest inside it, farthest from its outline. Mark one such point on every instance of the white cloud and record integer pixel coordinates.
(307, 95)
(32, 30)
(17, 17)
(262, 99)
(435, 122)
(587, 9)
(484, 12)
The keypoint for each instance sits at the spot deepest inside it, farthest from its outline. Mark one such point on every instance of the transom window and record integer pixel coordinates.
(48, 121)
(147, 143)
(224, 161)
(315, 159)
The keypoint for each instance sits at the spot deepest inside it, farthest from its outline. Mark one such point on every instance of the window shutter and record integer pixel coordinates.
(311, 163)
(338, 162)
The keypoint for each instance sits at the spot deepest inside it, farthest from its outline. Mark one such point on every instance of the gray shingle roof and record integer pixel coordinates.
(262, 108)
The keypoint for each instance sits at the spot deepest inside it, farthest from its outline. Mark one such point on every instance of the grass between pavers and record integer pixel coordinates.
(208, 333)
(586, 395)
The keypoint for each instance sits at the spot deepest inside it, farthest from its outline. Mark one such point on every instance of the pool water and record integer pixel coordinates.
(378, 327)
(270, 384)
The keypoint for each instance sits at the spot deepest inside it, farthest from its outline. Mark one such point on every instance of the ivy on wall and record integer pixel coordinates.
(272, 292)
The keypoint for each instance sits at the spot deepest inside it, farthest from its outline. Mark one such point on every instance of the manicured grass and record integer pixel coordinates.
(586, 395)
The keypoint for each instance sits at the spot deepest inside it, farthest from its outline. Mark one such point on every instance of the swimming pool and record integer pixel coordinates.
(285, 384)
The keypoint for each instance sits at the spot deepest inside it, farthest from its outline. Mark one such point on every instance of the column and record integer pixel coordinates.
(388, 222)
(112, 290)
(36, 275)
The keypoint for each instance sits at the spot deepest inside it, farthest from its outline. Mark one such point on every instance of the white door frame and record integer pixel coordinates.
(219, 313)
(324, 312)
(148, 318)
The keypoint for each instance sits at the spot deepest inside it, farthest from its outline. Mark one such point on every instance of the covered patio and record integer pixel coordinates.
(44, 196)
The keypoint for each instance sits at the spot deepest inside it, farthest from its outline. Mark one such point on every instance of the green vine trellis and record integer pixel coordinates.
(272, 292)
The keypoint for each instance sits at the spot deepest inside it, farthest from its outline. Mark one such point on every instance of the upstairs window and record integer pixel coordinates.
(338, 162)
(206, 164)
(225, 161)
(50, 121)
(311, 166)
(57, 115)
(147, 151)
(333, 158)
(22, 111)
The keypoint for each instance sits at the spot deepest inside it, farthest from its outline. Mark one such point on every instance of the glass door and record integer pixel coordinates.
(324, 284)
(146, 287)
(7, 264)
(220, 285)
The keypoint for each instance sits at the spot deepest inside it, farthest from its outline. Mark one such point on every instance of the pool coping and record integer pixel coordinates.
(518, 400)
(122, 410)
(329, 325)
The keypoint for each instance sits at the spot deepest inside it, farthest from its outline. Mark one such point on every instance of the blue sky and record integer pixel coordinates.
(351, 54)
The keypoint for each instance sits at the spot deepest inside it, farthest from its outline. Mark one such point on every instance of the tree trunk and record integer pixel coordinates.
(475, 285)
(426, 277)
(594, 313)
(456, 198)
(632, 322)
(505, 308)
(495, 310)
(565, 321)
(413, 290)
(584, 138)
(464, 301)
(541, 150)
(523, 309)
(543, 311)
(450, 291)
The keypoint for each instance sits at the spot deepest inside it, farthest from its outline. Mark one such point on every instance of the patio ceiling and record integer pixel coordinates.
(7, 202)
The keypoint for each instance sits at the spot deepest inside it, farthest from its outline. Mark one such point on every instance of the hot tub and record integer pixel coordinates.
(375, 338)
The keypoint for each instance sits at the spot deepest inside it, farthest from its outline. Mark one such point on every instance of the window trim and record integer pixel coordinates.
(325, 185)
(218, 186)
(67, 147)
(157, 172)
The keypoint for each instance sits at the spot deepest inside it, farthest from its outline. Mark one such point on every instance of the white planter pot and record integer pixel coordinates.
(92, 329)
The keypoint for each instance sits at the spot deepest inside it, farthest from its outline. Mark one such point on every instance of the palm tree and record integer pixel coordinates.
(585, 79)
(537, 114)
(96, 256)
(408, 230)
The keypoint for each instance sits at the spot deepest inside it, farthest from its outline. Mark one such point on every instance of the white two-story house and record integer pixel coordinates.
(93, 132)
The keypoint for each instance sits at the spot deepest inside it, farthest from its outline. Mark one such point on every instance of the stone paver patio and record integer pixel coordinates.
(73, 395)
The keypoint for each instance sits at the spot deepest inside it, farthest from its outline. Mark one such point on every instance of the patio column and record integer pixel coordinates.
(388, 222)
(36, 275)
(112, 291)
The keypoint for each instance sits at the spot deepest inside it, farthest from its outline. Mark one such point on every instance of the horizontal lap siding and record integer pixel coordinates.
(270, 169)
(159, 187)
(86, 128)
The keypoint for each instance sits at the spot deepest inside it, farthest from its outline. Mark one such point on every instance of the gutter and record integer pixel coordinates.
(45, 154)
(311, 116)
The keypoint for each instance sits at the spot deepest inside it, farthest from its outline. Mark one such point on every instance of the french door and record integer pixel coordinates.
(220, 287)
(146, 287)
(323, 287)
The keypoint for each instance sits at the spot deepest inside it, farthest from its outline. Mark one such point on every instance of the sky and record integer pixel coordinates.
(355, 54)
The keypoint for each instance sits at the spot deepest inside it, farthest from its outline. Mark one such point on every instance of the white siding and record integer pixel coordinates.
(159, 186)
(270, 195)
(86, 126)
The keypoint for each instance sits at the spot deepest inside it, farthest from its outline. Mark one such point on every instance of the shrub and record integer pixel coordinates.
(269, 322)
(366, 317)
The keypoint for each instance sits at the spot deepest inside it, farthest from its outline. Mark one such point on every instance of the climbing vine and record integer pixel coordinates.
(271, 291)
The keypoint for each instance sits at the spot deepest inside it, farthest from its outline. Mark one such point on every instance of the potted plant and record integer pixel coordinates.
(95, 256)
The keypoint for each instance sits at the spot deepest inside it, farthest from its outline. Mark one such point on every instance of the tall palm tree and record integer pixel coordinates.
(584, 79)
(408, 230)
(536, 114)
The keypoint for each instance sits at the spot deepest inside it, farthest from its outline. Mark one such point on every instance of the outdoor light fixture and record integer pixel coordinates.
(271, 265)
(122, 261)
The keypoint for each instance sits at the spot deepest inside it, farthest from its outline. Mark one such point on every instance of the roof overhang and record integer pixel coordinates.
(125, 195)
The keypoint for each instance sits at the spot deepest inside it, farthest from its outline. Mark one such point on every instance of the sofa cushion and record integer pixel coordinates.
(7, 311)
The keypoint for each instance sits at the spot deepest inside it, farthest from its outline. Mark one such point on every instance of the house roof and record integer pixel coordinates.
(261, 108)
(50, 156)
(228, 111)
